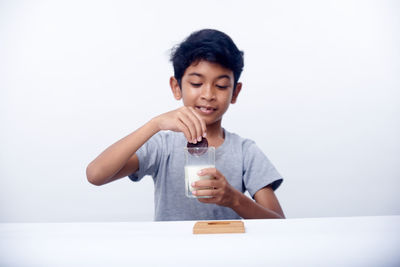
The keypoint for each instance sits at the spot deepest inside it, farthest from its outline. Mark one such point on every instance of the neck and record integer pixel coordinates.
(215, 134)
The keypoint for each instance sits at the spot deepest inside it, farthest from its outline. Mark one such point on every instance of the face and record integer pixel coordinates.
(208, 88)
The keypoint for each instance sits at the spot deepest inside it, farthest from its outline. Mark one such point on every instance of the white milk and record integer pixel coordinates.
(191, 174)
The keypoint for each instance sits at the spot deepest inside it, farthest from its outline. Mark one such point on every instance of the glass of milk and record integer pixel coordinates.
(196, 159)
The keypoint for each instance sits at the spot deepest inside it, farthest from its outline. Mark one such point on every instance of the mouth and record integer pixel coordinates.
(205, 109)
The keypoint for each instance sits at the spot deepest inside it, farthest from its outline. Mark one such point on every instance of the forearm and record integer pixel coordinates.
(223, 194)
(102, 169)
(249, 209)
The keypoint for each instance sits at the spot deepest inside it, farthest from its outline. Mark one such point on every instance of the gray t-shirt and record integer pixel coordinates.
(242, 163)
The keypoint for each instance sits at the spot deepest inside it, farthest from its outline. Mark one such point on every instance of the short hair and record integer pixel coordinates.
(209, 45)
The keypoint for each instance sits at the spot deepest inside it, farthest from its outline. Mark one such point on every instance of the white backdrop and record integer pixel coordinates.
(320, 97)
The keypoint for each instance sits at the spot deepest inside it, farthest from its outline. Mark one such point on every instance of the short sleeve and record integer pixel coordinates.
(258, 170)
(149, 158)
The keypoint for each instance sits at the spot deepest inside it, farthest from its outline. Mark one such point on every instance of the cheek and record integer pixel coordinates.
(188, 96)
(187, 93)
(227, 98)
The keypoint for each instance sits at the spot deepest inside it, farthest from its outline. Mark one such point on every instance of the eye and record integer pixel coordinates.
(196, 84)
(222, 86)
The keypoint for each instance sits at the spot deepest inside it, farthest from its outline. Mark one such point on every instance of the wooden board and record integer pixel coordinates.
(218, 227)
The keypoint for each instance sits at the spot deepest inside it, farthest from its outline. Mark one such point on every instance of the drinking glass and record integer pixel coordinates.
(196, 159)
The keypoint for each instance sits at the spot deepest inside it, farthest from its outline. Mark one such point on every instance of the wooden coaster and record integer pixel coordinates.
(218, 227)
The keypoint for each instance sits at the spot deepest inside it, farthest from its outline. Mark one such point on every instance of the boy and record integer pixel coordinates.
(207, 67)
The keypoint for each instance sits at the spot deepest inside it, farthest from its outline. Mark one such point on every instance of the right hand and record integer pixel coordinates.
(185, 120)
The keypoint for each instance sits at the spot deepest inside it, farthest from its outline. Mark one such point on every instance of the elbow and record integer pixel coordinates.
(92, 176)
(281, 214)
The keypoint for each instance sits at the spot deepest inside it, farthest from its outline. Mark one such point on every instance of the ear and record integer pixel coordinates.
(236, 93)
(176, 89)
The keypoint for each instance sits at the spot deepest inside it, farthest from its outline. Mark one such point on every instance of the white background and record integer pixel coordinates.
(320, 97)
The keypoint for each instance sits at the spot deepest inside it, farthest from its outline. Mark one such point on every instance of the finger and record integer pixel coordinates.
(202, 123)
(212, 172)
(211, 183)
(208, 200)
(183, 128)
(183, 117)
(205, 193)
(198, 123)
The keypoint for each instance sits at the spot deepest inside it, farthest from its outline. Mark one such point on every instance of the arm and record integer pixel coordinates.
(120, 160)
(266, 205)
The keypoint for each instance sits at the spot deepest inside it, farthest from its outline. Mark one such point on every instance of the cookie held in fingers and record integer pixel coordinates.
(198, 148)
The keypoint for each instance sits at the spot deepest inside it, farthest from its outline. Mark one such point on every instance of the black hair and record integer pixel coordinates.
(210, 45)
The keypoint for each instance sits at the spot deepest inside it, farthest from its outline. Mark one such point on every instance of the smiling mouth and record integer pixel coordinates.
(206, 110)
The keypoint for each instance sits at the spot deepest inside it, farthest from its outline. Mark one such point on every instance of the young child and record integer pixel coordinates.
(207, 67)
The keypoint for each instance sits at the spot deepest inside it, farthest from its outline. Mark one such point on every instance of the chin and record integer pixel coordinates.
(212, 121)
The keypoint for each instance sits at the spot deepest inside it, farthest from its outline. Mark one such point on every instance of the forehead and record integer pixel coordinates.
(209, 70)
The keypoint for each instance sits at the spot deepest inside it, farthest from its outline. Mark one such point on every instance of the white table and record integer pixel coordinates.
(350, 241)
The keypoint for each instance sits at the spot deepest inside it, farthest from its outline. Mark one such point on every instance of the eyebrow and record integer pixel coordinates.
(201, 75)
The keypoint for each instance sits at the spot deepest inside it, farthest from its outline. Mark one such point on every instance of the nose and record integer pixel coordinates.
(208, 93)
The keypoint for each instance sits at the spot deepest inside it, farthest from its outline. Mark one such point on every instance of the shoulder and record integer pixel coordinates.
(235, 140)
(248, 149)
(160, 145)
(167, 137)
(168, 140)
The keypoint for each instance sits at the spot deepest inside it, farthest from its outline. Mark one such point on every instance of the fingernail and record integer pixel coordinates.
(194, 192)
(204, 134)
(193, 184)
(200, 172)
(199, 138)
(194, 141)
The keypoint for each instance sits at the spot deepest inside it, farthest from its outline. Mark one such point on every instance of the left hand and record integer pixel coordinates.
(220, 192)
